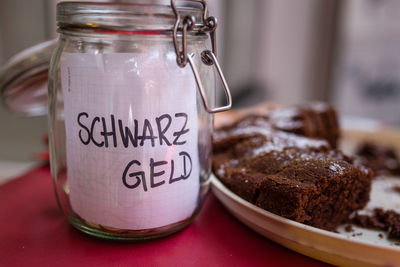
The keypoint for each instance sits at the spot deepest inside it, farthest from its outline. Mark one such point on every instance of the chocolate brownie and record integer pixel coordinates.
(317, 120)
(294, 176)
(381, 160)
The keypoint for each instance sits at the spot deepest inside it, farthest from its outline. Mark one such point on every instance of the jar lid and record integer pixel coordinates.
(23, 80)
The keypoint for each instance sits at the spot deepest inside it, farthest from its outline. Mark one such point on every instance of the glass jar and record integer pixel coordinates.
(130, 125)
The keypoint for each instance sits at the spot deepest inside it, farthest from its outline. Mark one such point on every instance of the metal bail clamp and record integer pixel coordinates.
(208, 57)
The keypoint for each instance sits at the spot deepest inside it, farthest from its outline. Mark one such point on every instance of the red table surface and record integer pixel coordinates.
(33, 232)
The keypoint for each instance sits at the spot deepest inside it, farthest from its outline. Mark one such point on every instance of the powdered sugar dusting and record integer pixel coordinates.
(336, 168)
(279, 114)
(319, 106)
(283, 118)
(278, 140)
(221, 171)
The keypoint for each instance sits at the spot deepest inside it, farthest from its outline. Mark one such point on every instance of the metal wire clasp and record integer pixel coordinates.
(209, 25)
(209, 58)
(214, 60)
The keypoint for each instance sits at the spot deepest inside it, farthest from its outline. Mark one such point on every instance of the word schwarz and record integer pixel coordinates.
(112, 132)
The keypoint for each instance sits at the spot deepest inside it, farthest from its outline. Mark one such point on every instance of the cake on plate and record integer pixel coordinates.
(285, 161)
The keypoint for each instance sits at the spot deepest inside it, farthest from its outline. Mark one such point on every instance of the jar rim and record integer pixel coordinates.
(138, 15)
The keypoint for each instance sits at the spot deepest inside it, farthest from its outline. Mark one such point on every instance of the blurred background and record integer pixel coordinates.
(345, 52)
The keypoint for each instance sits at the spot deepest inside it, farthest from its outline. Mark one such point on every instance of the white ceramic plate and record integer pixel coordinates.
(362, 247)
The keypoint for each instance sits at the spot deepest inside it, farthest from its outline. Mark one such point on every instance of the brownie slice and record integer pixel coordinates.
(296, 177)
(317, 120)
(382, 160)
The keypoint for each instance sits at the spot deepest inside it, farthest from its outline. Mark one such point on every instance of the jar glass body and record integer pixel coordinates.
(128, 161)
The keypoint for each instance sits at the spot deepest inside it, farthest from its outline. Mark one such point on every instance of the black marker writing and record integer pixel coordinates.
(103, 132)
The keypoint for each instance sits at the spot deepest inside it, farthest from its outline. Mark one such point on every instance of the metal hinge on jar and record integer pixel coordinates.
(208, 57)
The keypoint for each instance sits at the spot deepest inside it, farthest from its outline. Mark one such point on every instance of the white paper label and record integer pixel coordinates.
(131, 139)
